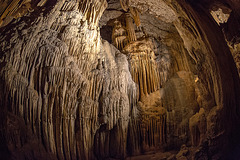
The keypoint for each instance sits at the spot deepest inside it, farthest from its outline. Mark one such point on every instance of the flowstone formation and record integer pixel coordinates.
(142, 77)
(139, 50)
(150, 132)
(166, 85)
(184, 108)
(143, 66)
(65, 92)
(17, 8)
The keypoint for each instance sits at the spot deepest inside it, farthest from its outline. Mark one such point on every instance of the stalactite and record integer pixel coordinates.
(13, 9)
(134, 12)
(122, 35)
(56, 80)
(92, 10)
(153, 127)
(68, 6)
(124, 4)
(119, 37)
(143, 66)
(130, 28)
(150, 131)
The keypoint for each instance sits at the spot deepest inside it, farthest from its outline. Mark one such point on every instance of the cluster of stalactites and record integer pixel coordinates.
(144, 72)
(153, 127)
(150, 132)
(17, 8)
(119, 37)
(123, 35)
(133, 11)
(13, 9)
(92, 10)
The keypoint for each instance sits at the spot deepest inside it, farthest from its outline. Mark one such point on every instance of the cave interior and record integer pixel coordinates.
(120, 79)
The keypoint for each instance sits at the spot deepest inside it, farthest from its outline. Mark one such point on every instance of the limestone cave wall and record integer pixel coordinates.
(159, 77)
(62, 84)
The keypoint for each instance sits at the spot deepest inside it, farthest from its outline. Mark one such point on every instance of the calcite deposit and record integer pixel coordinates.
(119, 79)
(76, 85)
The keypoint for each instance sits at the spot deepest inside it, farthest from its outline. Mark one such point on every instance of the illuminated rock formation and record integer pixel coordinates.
(135, 14)
(13, 9)
(154, 122)
(76, 84)
(160, 81)
(143, 66)
(130, 28)
(119, 35)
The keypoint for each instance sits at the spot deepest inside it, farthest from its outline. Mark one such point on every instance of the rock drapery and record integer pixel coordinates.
(76, 96)
(143, 66)
(221, 68)
(65, 83)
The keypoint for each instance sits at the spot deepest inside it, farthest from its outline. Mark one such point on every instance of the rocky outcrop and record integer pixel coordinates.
(179, 99)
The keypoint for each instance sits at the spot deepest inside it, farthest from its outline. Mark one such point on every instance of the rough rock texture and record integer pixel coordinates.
(68, 94)
(65, 84)
(221, 14)
(156, 8)
(218, 62)
(198, 126)
(143, 66)
(180, 101)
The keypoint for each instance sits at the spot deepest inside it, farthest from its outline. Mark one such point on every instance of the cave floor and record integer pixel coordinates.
(153, 156)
